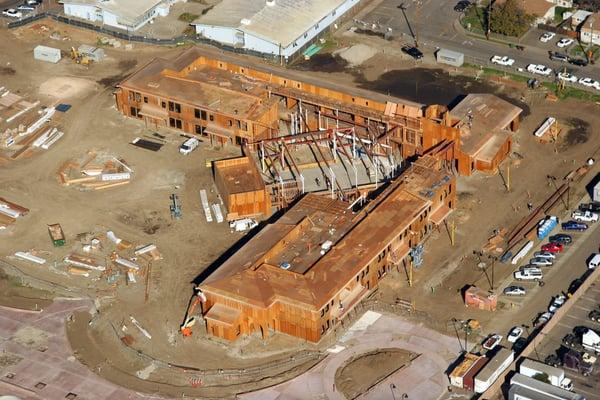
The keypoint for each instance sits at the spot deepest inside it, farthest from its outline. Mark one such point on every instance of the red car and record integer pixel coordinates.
(553, 247)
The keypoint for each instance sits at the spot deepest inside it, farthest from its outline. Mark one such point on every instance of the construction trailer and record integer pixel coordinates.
(45, 53)
(454, 58)
(481, 299)
(242, 188)
(463, 376)
(596, 192)
(493, 369)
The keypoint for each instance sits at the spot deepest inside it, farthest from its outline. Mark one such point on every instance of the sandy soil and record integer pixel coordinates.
(139, 212)
(366, 370)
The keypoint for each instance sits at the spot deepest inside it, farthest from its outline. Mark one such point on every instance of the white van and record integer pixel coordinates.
(594, 262)
(242, 225)
(189, 145)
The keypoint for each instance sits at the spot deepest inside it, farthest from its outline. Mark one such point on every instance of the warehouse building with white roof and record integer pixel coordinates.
(273, 27)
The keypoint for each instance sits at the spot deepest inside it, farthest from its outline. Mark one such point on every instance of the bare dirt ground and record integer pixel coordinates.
(139, 211)
(367, 370)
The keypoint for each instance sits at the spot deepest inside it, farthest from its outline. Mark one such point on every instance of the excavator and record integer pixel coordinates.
(80, 58)
(189, 320)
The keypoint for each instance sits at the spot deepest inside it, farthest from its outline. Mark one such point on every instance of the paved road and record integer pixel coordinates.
(437, 26)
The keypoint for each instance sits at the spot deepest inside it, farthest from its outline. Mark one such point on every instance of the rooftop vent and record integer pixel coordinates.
(270, 3)
(285, 265)
(245, 21)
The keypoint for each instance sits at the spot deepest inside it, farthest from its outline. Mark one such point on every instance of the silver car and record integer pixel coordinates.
(544, 254)
(541, 261)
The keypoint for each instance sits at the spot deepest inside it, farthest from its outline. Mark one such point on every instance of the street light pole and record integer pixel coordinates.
(392, 387)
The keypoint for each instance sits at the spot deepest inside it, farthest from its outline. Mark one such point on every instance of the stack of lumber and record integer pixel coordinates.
(495, 242)
(95, 172)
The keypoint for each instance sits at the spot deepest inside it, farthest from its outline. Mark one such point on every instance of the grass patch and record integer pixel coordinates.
(188, 17)
(474, 19)
(558, 14)
(581, 50)
(488, 71)
(570, 92)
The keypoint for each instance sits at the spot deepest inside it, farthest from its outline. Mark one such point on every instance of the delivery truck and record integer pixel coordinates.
(556, 376)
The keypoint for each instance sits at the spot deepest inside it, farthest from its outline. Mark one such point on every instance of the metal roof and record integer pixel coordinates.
(129, 12)
(277, 21)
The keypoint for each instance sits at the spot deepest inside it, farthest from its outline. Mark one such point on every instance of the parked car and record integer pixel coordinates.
(503, 60)
(528, 274)
(584, 216)
(33, 2)
(547, 36)
(189, 145)
(553, 247)
(565, 76)
(557, 303)
(574, 226)
(593, 207)
(588, 82)
(12, 13)
(26, 7)
(542, 319)
(544, 254)
(413, 52)
(541, 262)
(578, 61)
(514, 334)
(492, 341)
(539, 69)
(514, 291)
(555, 56)
(594, 315)
(564, 42)
(462, 6)
(561, 238)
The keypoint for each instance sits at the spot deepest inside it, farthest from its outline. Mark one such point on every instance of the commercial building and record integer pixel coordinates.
(274, 27)
(525, 388)
(589, 30)
(122, 14)
(228, 102)
(303, 273)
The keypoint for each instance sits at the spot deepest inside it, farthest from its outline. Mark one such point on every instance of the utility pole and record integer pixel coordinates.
(508, 176)
(489, 18)
(452, 229)
(417, 20)
(410, 273)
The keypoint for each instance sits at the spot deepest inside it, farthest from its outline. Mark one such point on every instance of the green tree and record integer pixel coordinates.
(509, 19)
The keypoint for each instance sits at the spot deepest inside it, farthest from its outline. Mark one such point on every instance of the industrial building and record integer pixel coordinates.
(249, 104)
(122, 14)
(303, 273)
(274, 27)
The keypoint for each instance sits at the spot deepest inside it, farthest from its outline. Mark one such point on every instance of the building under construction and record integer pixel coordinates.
(303, 273)
(271, 109)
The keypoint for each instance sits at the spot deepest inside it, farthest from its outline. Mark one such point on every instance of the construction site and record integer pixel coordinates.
(318, 235)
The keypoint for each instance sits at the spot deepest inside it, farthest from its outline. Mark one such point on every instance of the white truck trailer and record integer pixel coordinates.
(556, 376)
(591, 341)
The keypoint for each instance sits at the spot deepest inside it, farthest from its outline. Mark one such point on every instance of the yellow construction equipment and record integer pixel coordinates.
(80, 58)
(190, 319)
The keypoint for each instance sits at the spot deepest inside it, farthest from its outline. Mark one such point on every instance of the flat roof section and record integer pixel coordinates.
(239, 175)
(486, 112)
(129, 11)
(205, 87)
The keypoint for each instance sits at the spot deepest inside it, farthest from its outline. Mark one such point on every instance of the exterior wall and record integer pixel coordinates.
(315, 30)
(242, 129)
(586, 34)
(81, 11)
(112, 20)
(221, 34)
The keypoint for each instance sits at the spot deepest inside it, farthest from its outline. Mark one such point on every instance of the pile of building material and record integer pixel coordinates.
(9, 212)
(495, 243)
(93, 53)
(30, 256)
(95, 172)
(23, 125)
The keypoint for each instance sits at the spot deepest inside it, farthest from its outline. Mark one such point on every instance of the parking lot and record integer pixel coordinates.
(577, 316)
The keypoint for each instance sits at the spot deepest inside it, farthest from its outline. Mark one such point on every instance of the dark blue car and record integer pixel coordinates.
(574, 226)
